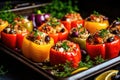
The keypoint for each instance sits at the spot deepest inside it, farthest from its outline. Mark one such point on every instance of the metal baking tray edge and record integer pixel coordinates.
(81, 75)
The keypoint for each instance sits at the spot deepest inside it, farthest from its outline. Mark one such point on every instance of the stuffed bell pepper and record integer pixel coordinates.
(96, 22)
(64, 51)
(12, 36)
(79, 35)
(71, 20)
(103, 44)
(36, 46)
(3, 24)
(115, 27)
(55, 29)
(22, 21)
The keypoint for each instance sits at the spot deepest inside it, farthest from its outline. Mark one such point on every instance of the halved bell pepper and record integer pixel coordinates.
(96, 22)
(54, 29)
(108, 49)
(36, 52)
(3, 24)
(61, 55)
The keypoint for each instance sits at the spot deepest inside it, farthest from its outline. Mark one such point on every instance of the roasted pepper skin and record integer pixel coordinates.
(57, 57)
(3, 26)
(12, 40)
(35, 52)
(107, 50)
(93, 27)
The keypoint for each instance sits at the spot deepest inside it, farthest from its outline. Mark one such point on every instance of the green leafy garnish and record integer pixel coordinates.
(2, 70)
(53, 22)
(96, 13)
(99, 60)
(65, 46)
(59, 8)
(6, 14)
(118, 18)
(64, 70)
(103, 33)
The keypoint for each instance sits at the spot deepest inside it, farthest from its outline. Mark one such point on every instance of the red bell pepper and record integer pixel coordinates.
(9, 39)
(65, 51)
(107, 50)
(19, 40)
(12, 36)
(71, 20)
(77, 23)
(12, 40)
(56, 30)
(95, 50)
(112, 49)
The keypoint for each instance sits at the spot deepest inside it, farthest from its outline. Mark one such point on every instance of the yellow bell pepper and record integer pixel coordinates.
(96, 22)
(2, 26)
(95, 26)
(35, 52)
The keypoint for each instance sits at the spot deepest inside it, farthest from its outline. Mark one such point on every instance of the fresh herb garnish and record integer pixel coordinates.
(64, 70)
(103, 33)
(65, 46)
(96, 13)
(59, 8)
(6, 14)
(118, 18)
(53, 22)
(99, 60)
(2, 70)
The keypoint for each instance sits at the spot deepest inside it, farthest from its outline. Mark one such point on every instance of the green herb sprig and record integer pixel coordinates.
(59, 8)
(103, 33)
(118, 18)
(6, 14)
(2, 70)
(65, 46)
(96, 13)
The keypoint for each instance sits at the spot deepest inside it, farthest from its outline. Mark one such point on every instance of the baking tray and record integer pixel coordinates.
(81, 75)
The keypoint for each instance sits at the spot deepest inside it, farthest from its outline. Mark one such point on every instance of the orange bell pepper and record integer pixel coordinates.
(35, 52)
